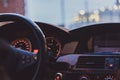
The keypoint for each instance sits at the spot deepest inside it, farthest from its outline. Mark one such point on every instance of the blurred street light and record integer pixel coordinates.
(102, 9)
(115, 7)
(82, 12)
(96, 12)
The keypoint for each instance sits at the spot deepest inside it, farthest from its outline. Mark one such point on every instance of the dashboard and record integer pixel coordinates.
(96, 55)
(87, 53)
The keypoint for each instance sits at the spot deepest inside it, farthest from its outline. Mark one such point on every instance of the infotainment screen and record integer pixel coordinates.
(107, 43)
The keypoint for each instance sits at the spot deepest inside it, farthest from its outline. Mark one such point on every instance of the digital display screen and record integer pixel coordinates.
(107, 43)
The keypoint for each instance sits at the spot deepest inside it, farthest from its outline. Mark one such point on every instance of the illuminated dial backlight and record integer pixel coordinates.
(22, 43)
(53, 47)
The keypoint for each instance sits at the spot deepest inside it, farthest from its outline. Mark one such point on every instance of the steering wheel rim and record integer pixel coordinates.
(39, 36)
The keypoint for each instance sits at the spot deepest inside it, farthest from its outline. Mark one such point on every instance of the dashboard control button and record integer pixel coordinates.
(23, 62)
(23, 57)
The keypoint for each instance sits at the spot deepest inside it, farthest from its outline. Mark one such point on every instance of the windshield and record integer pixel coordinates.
(73, 13)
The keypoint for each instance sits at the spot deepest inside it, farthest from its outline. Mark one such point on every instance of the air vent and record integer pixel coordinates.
(90, 62)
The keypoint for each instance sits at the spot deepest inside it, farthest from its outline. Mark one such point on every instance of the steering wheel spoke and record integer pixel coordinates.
(24, 58)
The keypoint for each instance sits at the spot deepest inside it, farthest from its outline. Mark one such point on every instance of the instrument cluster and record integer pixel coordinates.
(25, 44)
(53, 47)
(22, 43)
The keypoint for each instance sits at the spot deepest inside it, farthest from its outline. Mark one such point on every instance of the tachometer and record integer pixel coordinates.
(53, 47)
(22, 43)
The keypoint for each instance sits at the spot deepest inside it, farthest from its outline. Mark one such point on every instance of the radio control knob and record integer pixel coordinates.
(84, 78)
(109, 79)
(58, 76)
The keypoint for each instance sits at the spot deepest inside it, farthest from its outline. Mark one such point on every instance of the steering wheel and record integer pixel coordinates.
(13, 56)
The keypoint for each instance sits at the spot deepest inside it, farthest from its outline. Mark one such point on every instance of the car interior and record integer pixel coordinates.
(40, 51)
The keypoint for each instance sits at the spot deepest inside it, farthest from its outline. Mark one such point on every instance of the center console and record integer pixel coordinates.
(91, 67)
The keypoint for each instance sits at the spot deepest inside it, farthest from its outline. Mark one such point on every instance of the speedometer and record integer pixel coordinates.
(22, 43)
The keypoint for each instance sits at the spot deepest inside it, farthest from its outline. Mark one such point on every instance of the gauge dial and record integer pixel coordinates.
(22, 43)
(53, 47)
